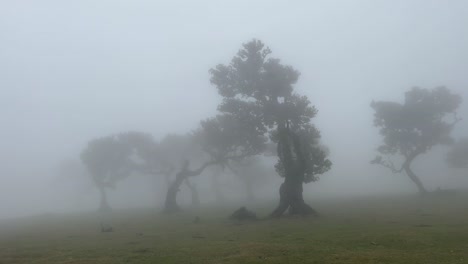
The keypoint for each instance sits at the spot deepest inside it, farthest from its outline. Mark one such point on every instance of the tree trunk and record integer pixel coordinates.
(291, 198)
(170, 205)
(414, 178)
(104, 206)
(291, 157)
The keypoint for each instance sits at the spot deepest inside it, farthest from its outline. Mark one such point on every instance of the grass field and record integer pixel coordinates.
(367, 230)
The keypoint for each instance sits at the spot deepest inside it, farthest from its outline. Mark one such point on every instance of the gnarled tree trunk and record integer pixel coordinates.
(291, 198)
(414, 178)
(170, 204)
(291, 157)
(407, 168)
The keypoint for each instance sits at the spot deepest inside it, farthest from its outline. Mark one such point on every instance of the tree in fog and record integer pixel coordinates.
(176, 152)
(151, 157)
(409, 129)
(229, 139)
(108, 160)
(182, 151)
(258, 90)
(222, 138)
(457, 157)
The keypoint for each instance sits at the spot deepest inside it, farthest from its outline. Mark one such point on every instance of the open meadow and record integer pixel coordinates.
(394, 229)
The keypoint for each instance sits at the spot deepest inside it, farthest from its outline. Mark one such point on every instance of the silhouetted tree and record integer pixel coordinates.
(179, 151)
(414, 127)
(108, 161)
(457, 157)
(259, 92)
(221, 139)
(183, 175)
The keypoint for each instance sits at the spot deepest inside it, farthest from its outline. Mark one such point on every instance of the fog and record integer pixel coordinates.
(71, 71)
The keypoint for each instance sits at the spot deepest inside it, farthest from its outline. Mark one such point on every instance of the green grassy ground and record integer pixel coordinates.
(368, 230)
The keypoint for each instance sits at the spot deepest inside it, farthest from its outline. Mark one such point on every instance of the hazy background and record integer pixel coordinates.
(74, 70)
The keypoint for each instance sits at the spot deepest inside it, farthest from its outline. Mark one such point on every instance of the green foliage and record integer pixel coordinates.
(229, 136)
(414, 127)
(148, 153)
(258, 90)
(176, 149)
(108, 160)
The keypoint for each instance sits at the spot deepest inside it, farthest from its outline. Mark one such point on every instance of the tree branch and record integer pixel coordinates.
(387, 164)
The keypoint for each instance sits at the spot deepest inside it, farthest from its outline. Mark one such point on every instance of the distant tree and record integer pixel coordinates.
(457, 157)
(414, 127)
(150, 157)
(182, 176)
(258, 91)
(178, 152)
(108, 160)
(221, 139)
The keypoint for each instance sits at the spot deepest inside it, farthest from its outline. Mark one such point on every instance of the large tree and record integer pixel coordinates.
(413, 127)
(258, 90)
(108, 160)
(457, 157)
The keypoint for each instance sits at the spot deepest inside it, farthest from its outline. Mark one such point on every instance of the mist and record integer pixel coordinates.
(74, 71)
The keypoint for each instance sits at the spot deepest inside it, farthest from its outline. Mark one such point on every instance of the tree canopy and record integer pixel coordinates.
(258, 90)
(108, 160)
(413, 127)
